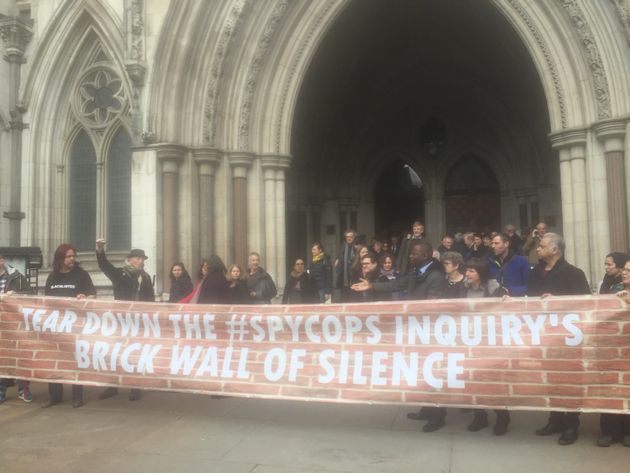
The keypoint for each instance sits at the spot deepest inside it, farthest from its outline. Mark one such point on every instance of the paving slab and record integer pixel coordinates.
(173, 432)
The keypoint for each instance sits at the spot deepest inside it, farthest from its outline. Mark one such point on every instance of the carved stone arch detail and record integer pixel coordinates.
(214, 26)
(599, 81)
(256, 63)
(79, 36)
(543, 34)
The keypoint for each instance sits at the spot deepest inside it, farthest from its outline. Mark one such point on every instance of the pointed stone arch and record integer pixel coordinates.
(81, 38)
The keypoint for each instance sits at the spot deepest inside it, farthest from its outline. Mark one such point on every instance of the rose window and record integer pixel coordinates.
(101, 96)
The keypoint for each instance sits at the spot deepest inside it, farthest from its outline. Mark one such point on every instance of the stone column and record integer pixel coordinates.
(207, 160)
(566, 189)
(240, 163)
(612, 134)
(16, 34)
(269, 164)
(281, 224)
(170, 156)
(575, 222)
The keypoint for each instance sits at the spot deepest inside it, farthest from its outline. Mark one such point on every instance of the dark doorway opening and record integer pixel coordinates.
(472, 198)
(397, 201)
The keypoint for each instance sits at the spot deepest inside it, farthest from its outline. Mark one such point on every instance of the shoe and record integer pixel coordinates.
(478, 423)
(134, 394)
(107, 393)
(50, 403)
(422, 414)
(626, 441)
(25, 394)
(433, 425)
(606, 441)
(76, 403)
(501, 425)
(3, 396)
(549, 429)
(568, 437)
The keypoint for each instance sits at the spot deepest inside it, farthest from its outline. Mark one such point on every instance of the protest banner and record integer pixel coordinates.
(566, 353)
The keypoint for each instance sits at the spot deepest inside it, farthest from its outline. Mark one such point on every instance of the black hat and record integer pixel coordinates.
(135, 253)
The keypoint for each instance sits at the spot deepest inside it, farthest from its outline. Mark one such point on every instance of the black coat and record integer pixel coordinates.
(300, 290)
(429, 285)
(128, 285)
(238, 294)
(180, 288)
(213, 289)
(564, 279)
(262, 284)
(339, 270)
(321, 273)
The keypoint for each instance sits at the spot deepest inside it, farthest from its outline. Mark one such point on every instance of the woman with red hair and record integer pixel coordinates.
(67, 279)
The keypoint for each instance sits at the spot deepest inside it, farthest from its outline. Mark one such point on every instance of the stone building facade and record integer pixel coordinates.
(190, 127)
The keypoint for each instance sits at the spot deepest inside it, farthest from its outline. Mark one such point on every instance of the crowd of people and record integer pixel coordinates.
(464, 265)
(481, 265)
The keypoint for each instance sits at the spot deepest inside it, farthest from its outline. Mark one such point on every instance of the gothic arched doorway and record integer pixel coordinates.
(472, 197)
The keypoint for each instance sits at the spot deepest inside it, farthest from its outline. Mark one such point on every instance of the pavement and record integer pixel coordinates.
(174, 432)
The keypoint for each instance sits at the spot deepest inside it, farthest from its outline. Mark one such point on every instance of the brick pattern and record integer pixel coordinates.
(543, 373)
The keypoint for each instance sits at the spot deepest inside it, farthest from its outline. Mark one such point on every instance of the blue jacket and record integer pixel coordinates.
(512, 273)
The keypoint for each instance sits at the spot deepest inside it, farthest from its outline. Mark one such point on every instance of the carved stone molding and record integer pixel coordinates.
(16, 34)
(254, 71)
(218, 57)
(135, 30)
(623, 13)
(516, 5)
(297, 59)
(592, 56)
(100, 98)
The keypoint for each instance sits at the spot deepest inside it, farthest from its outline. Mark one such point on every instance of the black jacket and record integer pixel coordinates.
(180, 288)
(429, 285)
(564, 279)
(15, 282)
(237, 294)
(300, 290)
(261, 283)
(213, 289)
(128, 285)
(321, 273)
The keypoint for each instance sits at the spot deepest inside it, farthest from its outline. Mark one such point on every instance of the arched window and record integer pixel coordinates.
(119, 191)
(83, 193)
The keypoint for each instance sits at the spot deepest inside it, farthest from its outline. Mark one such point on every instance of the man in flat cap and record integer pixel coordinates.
(130, 283)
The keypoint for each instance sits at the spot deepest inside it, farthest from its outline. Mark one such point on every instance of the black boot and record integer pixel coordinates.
(503, 419)
(549, 429)
(480, 421)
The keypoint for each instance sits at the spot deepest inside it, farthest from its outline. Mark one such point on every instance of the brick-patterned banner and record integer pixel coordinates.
(568, 353)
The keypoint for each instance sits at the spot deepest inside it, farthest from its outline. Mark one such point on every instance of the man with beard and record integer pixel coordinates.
(130, 283)
(553, 276)
(511, 271)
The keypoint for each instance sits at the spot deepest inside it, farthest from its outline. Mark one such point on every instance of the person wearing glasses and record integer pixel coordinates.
(300, 288)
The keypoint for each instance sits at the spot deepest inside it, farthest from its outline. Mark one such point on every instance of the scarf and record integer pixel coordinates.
(318, 258)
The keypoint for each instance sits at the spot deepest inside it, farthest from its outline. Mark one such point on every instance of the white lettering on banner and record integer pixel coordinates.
(33, 320)
(102, 359)
(390, 365)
